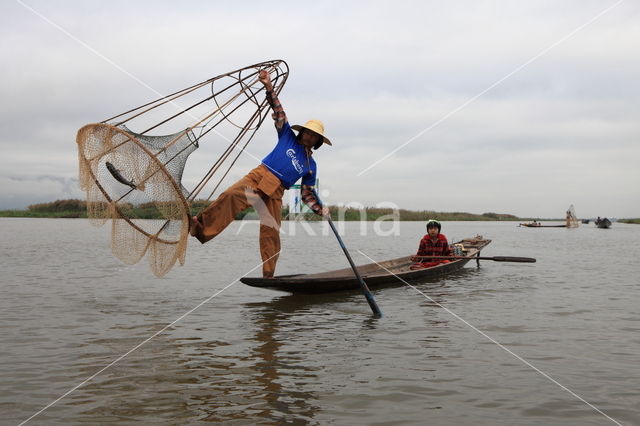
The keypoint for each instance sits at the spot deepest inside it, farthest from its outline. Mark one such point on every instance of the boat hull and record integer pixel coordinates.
(385, 273)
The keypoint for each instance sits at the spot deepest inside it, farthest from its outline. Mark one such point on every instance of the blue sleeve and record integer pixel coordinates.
(285, 128)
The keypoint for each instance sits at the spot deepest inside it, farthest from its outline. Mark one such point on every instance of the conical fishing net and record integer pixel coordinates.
(571, 219)
(135, 179)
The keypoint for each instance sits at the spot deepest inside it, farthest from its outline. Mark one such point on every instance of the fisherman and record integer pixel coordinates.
(432, 244)
(263, 187)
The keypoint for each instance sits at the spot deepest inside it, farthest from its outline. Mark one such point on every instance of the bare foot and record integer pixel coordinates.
(195, 227)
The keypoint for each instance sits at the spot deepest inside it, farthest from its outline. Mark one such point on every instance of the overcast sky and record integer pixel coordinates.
(520, 107)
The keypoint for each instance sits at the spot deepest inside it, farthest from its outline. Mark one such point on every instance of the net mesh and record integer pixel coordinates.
(134, 180)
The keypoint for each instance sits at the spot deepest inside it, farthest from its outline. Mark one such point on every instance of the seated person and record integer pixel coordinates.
(432, 244)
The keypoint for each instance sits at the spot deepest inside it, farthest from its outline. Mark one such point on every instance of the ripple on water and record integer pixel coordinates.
(251, 356)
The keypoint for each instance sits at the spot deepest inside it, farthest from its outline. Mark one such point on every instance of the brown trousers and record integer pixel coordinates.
(261, 189)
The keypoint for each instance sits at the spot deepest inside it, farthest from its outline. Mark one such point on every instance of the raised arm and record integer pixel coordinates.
(278, 115)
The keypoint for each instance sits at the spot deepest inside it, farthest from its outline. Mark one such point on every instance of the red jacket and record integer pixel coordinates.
(439, 248)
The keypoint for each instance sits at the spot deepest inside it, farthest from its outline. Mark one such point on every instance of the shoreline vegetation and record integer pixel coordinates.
(78, 209)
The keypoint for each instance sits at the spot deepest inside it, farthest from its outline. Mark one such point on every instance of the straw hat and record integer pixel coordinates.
(315, 126)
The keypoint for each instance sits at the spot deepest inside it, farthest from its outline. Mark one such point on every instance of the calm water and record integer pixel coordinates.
(251, 356)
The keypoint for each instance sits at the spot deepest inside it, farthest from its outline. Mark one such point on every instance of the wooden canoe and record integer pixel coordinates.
(603, 223)
(533, 225)
(387, 272)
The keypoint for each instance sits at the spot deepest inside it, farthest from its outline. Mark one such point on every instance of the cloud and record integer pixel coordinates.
(548, 136)
(17, 192)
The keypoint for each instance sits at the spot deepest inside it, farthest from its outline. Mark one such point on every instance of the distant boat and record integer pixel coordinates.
(533, 224)
(603, 223)
(585, 221)
(539, 225)
(570, 221)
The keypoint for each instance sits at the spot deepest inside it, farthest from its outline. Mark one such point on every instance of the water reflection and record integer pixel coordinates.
(272, 366)
(287, 367)
(283, 372)
(320, 358)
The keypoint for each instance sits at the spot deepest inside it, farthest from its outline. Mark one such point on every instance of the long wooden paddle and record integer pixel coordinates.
(494, 258)
(367, 293)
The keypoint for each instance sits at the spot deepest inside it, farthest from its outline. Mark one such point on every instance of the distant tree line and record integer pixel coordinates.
(630, 220)
(78, 209)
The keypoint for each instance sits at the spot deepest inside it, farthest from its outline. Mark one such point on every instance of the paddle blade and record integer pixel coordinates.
(514, 259)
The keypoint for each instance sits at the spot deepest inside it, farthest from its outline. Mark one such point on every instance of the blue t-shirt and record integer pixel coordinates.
(289, 160)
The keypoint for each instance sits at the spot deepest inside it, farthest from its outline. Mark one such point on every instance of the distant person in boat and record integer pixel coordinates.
(432, 244)
(262, 188)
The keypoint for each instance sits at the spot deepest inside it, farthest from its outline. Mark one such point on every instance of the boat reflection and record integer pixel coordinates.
(288, 359)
